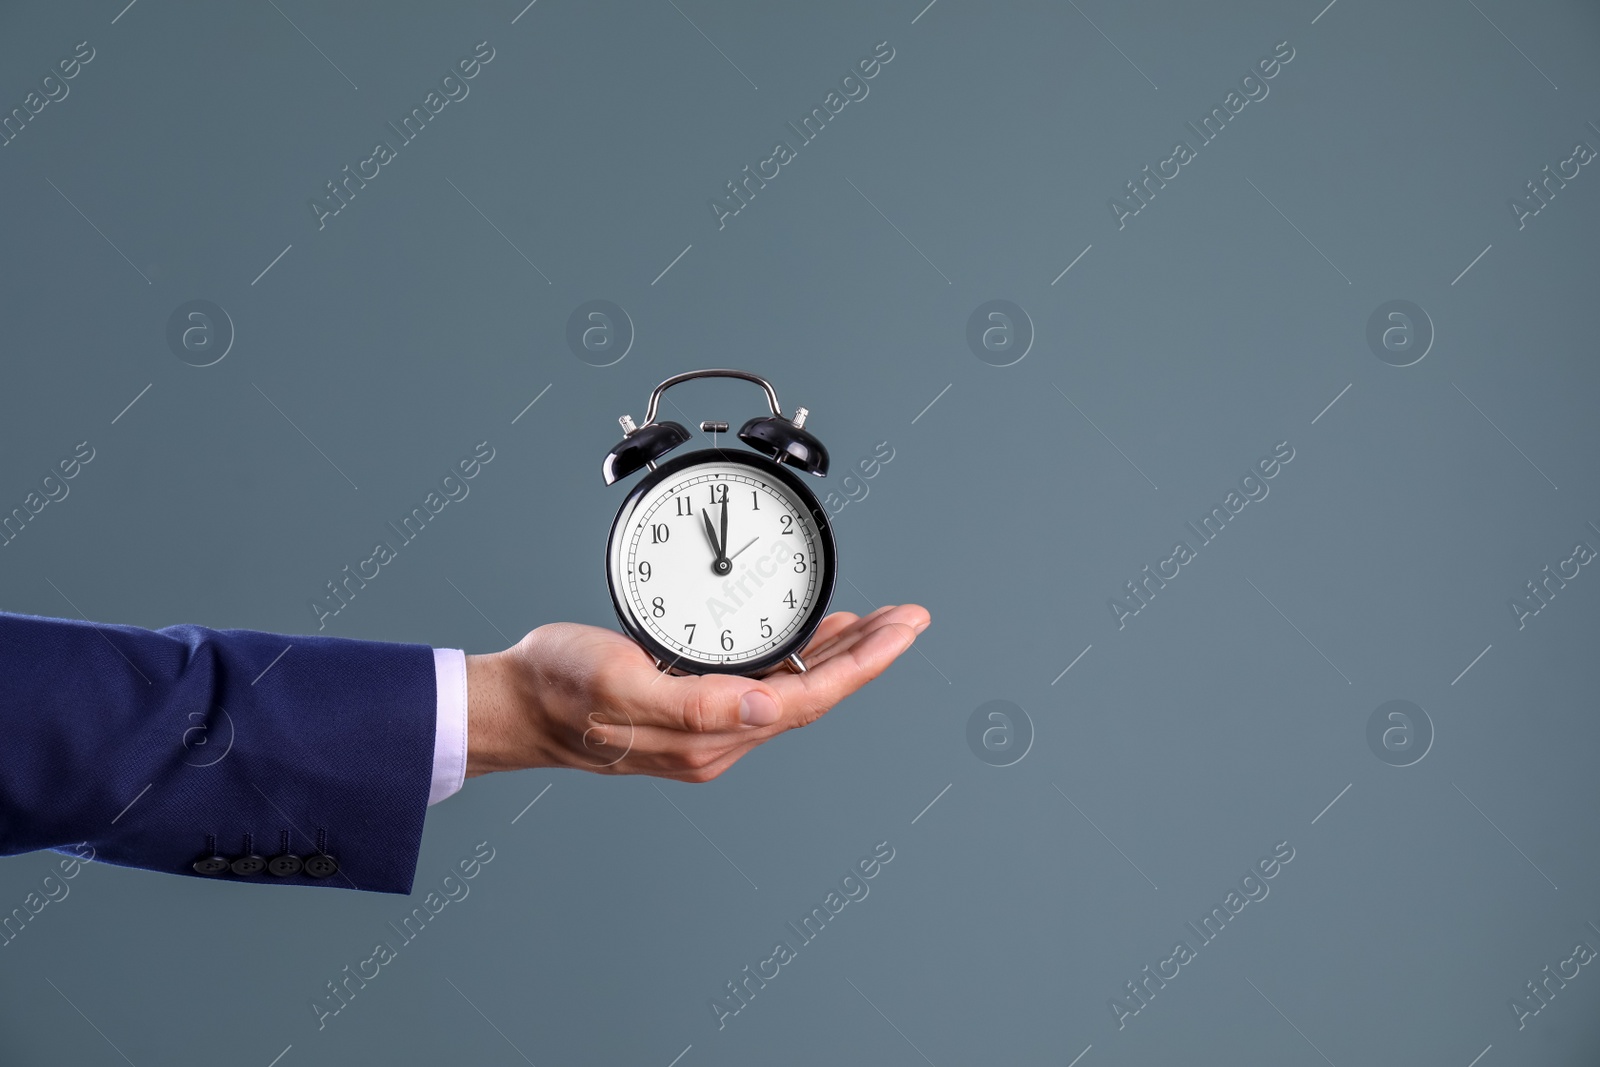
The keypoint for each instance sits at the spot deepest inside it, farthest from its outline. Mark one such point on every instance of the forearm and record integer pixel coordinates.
(162, 747)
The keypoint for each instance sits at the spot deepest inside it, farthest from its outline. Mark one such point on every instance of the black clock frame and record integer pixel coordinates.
(670, 660)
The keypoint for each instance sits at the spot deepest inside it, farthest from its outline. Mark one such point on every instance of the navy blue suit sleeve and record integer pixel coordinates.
(159, 748)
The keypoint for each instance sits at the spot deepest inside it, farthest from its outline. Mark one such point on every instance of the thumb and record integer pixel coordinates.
(717, 702)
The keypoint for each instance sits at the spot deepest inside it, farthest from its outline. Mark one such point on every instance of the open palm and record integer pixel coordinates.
(569, 695)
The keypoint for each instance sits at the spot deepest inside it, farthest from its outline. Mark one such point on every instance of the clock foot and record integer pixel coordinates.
(796, 663)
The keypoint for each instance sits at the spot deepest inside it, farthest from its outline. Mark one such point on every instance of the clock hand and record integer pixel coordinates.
(723, 540)
(748, 543)
(711, 534)
(719, 564)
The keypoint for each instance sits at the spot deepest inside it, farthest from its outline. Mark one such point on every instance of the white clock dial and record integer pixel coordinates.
(714, 597)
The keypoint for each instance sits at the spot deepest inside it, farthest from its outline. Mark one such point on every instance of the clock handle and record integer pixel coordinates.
(713, 372)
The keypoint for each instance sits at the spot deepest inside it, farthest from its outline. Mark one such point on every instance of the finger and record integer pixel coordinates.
(848, 670)
(826, 638)
(831, 627)
(818, 690)
(911, 615)
(716, 702)
(715, 768)
(808, 696)
(671, 754)
(695, 704)
(840, 626)
(627, 748)
(707, 703)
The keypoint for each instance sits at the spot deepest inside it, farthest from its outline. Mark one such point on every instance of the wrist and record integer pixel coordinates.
(492, 716)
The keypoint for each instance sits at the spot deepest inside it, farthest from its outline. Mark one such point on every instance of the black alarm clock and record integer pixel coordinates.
(720, 561)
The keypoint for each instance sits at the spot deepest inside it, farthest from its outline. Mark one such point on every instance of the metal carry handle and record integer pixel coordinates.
(713, 372)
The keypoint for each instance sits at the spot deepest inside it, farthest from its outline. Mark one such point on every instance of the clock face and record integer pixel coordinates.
(721, 563)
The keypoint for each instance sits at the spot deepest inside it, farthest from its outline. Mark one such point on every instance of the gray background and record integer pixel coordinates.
(1223, 319)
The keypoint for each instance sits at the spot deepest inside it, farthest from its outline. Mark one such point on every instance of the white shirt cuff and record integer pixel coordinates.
(450, 733)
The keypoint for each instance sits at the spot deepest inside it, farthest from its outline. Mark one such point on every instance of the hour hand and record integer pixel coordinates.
(720, 564)
(711, 533)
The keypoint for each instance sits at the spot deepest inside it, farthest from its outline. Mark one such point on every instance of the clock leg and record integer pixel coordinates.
(796, 663)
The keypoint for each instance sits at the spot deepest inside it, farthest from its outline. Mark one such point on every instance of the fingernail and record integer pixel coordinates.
(923, 625)
(757, 709)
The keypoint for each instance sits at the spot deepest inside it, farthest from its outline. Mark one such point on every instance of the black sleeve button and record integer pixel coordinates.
(321, 865)
(285, 865)
(210, 865)
(248, 865)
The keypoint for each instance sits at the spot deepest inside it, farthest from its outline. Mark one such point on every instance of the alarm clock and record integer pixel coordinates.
(720, 561)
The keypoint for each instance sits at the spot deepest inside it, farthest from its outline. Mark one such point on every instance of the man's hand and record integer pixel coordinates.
(578, 696)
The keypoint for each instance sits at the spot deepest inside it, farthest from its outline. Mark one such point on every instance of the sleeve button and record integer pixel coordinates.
(321, 865)
(210, 865)
(283, 866)
(248, 865)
